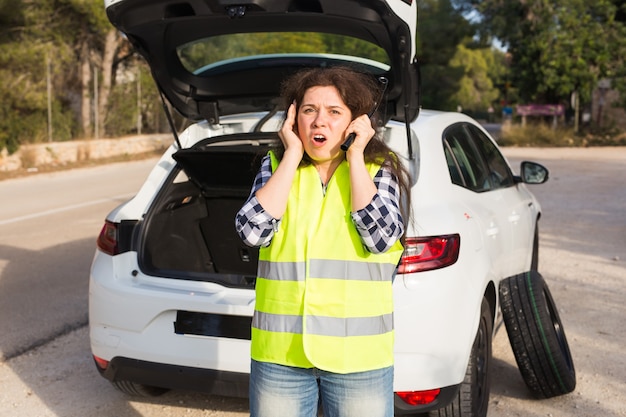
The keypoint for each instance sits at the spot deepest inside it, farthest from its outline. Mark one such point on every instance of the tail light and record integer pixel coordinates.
(108, 239)
(102, 364)
(419, 397)
(427, 253)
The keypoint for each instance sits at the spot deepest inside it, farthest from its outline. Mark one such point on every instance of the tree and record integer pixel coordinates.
(557, 46)
(22, 108)
(82, 25)
(441, 28)
(476, 91)
(49, 53)
(619, 72)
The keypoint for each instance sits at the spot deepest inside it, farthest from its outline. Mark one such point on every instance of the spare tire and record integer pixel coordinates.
(537, 335)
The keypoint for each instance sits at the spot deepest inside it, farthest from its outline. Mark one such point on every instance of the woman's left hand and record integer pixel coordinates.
(362, 127)
(362, 187)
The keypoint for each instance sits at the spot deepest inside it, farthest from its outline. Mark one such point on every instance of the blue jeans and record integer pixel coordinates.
(284, 391)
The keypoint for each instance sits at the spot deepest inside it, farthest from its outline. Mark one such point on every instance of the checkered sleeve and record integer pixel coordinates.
(254, 225)
(380, 223)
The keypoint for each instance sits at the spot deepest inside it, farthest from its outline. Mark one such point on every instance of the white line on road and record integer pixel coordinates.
(66, 208)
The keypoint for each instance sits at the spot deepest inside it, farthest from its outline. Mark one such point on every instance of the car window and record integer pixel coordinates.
(212, 52)
(500, 175)
(474, 161)
(465, 164)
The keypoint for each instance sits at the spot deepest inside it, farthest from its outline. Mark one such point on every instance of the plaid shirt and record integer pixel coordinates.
(379, 224)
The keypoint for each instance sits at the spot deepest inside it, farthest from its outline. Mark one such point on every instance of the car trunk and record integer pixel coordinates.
(215, 58)
(189, 231)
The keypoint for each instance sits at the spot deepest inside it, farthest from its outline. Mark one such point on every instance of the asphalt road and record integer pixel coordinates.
(48, 227)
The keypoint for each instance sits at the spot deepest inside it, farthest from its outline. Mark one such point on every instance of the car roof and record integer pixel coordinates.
(159, 28)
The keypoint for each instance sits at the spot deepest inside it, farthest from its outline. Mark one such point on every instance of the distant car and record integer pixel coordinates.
(172, 285)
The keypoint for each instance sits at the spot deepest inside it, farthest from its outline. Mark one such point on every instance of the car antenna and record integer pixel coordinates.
(168, 114)
(346, 144)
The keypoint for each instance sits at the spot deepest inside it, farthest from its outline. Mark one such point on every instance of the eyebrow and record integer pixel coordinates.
(332, 106)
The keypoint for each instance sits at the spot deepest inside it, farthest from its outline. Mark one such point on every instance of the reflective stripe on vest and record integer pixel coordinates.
(325, 269)
(322, 299)
(329, 326)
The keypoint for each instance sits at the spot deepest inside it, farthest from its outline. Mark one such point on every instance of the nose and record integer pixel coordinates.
(320, 119)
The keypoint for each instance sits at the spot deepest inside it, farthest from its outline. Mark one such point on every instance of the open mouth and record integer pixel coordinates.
(319, 139)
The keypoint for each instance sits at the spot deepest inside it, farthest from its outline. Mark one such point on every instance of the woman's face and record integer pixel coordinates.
(322, 121)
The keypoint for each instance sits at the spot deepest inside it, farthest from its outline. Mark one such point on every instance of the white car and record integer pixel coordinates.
(172, 285)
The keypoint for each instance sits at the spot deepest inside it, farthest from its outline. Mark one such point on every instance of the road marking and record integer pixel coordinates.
(66, 208)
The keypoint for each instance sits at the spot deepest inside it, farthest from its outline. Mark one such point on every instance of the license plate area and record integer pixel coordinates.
(215, 325)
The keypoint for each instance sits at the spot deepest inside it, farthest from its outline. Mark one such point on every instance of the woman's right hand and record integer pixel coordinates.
(273, 196)
(290, 139)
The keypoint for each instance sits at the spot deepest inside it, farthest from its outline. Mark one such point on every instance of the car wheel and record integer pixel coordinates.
(472, 399)
(138, 390)
(537, 335)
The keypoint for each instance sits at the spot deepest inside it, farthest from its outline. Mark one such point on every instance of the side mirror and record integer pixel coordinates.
(533, 173)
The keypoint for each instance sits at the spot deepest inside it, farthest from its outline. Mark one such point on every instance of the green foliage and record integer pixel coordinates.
(476, 91)
(335, 44)
(441, 28)
(554, 47)
(91, 13)
(544, 135)
(11, 16)
(24, 104)
(540, 134)
(123, 113)
(219, 48)
(38, 33)
(124, 105)
(557, 46)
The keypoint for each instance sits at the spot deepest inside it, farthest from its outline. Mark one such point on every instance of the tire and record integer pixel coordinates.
(472, 399)
(138, 390)
(537, 335)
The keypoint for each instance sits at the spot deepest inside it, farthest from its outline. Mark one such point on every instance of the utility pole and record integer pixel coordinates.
(96, 116)
(576, 110)
(604, 85)
(49, 90)
(139, 121)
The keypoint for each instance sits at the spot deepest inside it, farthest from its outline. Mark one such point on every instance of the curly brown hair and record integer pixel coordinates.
(359, 91)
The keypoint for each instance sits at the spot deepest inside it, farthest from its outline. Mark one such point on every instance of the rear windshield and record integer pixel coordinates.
(205, 53)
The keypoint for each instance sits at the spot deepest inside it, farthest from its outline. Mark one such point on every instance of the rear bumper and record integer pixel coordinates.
(176, 377)
(228, 384)
(444, 398)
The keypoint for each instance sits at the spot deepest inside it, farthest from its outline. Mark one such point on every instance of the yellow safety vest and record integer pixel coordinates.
(322, 299)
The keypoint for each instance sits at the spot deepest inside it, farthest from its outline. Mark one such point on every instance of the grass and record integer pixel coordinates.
(543, 135)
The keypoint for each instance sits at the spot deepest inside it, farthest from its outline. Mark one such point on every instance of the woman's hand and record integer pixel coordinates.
(273, 196)
(362, 187)
(290, 139)
(362, 127)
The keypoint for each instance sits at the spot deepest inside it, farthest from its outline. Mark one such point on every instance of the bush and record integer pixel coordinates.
(543, 135)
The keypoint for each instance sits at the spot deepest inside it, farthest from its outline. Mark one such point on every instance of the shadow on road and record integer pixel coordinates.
(46, 366)
(43, 294)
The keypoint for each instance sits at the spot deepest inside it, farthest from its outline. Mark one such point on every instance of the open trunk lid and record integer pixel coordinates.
(186, 44)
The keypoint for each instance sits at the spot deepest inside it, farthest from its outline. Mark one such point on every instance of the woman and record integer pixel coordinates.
(328, 224)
